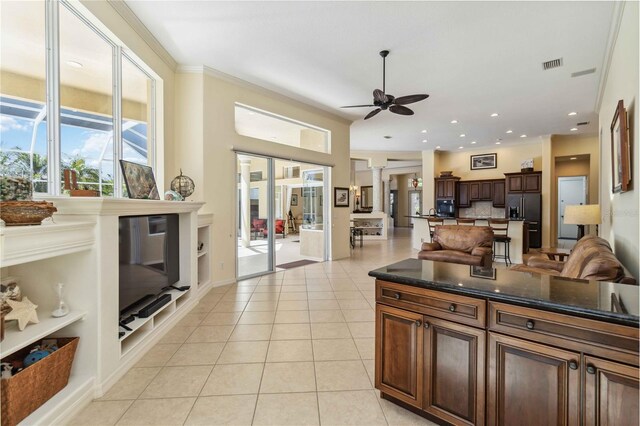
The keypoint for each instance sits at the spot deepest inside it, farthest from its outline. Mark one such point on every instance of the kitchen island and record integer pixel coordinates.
(517, 232)
(467, 345)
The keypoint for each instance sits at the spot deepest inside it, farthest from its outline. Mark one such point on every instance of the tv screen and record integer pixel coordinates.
(149, 258)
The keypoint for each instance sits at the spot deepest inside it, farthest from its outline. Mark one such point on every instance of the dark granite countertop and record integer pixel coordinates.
(454, 218)
(604, 301)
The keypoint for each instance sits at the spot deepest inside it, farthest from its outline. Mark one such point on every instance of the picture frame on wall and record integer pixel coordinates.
(340, 197)
(139, 180)
(294, 199)
(620, 150)
(484, 161)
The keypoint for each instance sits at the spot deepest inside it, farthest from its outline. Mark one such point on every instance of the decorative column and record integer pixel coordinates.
(377, 189)
(387, 196)
(245, 201)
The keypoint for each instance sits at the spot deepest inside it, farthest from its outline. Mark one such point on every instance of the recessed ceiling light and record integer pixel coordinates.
(438, 147)
(573, 113)
(496, 290)
(523, 136)
(497, 143)
(424, 131)
(509, 131)
(462, 135)
(574, 129)
(74, 64)
(495, 114)
(424, 141)
(573, 158)
(473, 142)
(454, 121)
(460, 147)
(387, 136)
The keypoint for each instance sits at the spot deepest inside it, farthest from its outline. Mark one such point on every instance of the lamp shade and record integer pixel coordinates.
(585, 214)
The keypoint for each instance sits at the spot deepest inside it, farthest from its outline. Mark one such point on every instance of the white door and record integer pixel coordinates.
(571, 191)
(415, 204)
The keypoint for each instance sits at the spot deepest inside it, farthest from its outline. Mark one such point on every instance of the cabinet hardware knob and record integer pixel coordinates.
(591, 369)
(426, 324)
(452, 307)
(397, 296)
(418, 323)
(573, 365)
(530, 324)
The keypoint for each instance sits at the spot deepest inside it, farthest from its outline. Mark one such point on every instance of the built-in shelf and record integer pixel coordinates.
(371, 224)
(14, 339)
(79, 386)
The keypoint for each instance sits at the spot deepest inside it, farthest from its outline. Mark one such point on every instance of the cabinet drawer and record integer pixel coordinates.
(612, 341)
(461, 309)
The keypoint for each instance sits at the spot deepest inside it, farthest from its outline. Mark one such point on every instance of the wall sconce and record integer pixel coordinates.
(414, 181)
(353, 188)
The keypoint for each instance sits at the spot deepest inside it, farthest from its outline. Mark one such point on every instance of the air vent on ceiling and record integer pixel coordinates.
(555, 63)
(583, 72)
(583, 123)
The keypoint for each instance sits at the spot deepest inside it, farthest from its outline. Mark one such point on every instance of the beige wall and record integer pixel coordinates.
(219, 168)
(621, 210)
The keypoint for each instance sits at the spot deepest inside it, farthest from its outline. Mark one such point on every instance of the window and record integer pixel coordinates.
(258, 124)
(104, 107)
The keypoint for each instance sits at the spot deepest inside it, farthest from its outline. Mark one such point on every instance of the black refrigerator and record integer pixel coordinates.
(528, 206)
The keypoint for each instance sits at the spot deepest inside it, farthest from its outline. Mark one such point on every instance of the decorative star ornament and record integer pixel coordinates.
(24, 312)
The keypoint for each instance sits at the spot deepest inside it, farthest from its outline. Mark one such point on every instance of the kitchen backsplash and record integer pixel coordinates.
(481, 209)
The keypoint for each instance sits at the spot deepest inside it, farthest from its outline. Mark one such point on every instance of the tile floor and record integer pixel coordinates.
(291, 348)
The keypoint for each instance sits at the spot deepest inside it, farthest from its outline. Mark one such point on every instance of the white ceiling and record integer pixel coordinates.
(473, 58)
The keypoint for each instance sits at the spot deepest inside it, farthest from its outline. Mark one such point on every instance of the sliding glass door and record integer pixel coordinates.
(255, 214)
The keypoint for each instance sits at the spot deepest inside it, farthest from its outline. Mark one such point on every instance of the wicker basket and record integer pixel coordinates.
(23, 393)
(25, 212)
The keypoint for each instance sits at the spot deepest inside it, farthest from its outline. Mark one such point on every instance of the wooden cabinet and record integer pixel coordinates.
(474, 191)
(531, 384)
(480, 191)
(524, 182)
(486, 191)
(399, 346)
(463, 195)
(498, 193)
(454, 362)
(446, 187)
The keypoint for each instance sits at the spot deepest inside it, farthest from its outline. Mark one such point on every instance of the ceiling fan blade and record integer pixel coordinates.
(405, 100)
(389, 98)
(357, 106)
(374, 112)
(378, 96)
(399, 109)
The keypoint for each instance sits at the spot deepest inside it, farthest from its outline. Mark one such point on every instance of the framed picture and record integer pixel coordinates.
(294, 199)
(340, 197)
(482, 272)
(140, 182)
(620, 150)
(484, 161)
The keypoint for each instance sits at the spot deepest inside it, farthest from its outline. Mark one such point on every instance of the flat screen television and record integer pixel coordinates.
(149, 258)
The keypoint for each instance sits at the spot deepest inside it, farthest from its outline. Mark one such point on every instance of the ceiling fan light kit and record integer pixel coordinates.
(383, 101)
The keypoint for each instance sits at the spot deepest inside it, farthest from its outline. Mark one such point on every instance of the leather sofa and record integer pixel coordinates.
(590, 259)
(468, 245)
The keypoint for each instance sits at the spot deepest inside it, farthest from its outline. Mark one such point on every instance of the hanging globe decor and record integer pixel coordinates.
(183, 185)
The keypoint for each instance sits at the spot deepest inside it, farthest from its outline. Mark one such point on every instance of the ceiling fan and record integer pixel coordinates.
(383, 101)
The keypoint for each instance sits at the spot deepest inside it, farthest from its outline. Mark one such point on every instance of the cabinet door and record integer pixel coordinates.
(399, 363)
(449, 188)
(463, 195)
(474, 191)
(611, 393)
(440, 191)
(486, 191)
(454, 362)
(514, 183)
(531, 384)
(498, 193)
(532, 183)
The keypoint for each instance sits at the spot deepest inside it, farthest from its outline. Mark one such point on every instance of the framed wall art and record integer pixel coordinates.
(484, 161)
(620, 150)
(340, 197)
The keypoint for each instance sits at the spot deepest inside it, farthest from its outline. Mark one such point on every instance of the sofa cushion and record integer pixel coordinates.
(603, 267)
(463, 238)
(451, 256)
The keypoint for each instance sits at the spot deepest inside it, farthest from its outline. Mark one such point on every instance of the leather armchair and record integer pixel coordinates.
(468, 245)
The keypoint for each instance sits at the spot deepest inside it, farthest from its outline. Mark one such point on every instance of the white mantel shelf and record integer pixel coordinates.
(22, 244)
(118, 206)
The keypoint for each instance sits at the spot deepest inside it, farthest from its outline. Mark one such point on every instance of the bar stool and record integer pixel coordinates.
(467, 222)
(432, 223)
(500, 229)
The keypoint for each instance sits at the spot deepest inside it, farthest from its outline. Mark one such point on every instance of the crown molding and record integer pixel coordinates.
(614, 30)
(136, 24)
(211, 72)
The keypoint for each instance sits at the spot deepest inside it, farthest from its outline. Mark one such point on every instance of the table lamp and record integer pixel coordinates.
(581, 215)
